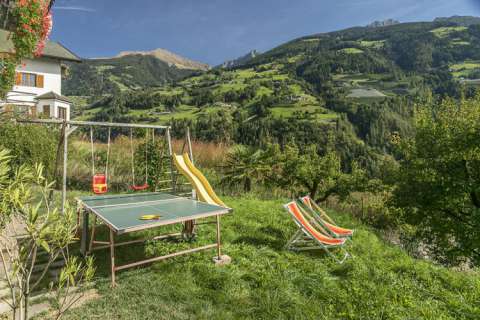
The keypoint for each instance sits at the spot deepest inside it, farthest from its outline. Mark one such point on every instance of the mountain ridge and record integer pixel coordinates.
(240, 60)
(171, 58)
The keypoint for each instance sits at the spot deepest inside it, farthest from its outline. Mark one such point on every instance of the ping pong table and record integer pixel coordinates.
(124, 214)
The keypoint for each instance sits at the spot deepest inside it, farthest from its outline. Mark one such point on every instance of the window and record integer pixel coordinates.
(62, 113)
(46, 110)
(29, 80)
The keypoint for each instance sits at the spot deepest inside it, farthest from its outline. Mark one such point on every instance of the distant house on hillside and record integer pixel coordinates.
(38, 82)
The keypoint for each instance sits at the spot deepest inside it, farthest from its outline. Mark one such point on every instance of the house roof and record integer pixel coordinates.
(52, 49)
(52, 95)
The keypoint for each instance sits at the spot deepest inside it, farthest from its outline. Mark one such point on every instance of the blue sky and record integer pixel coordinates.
(213, 31)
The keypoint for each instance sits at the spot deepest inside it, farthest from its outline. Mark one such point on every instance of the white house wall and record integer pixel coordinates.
(54, 105)
(51, 71)
(63, 105)
(42, 103)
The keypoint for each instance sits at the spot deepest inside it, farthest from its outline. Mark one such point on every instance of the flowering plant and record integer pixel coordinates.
(33, 24)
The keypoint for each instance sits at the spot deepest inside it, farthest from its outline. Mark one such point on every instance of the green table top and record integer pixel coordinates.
(122, 213)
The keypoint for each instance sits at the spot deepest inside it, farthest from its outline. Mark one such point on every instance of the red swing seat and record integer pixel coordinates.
(140, 187)
(99, 184)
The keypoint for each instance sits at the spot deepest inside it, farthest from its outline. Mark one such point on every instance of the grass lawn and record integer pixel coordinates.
(266, 282)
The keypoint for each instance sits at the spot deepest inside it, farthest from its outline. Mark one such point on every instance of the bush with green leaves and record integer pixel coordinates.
(296, 171)
(438, 182)
(30, 144)
(29, 224)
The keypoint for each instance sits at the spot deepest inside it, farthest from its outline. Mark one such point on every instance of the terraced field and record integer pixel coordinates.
(464, 69)
(377, 44)
(447, 31)
(350, 51)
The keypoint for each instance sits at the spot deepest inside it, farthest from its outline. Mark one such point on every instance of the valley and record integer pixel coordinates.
(363, 81)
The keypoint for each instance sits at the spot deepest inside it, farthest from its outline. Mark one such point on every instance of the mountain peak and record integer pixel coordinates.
(169, 57)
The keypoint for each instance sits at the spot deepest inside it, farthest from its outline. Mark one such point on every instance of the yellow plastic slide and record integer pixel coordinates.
(203, 188)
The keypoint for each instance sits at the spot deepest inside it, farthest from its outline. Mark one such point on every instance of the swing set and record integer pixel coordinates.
(100, 180)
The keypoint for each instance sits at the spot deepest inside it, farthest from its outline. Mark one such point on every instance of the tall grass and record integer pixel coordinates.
(207, 155)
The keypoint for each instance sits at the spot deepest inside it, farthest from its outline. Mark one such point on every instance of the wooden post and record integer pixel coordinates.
(189, 141)
(170, 153)
(92, 235)
(65, 158)
(112, 257)
(79, 213)
(219, 253)
(84, 239)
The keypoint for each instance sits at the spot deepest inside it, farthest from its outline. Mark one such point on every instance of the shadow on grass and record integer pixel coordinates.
(264, 236)
(124, 254)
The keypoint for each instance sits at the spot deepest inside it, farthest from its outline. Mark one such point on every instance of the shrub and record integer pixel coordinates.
(30, 144)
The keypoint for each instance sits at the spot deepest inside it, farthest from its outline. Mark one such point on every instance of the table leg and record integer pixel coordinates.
(219, 253)
(112, 257)
(84, 240)
(79, 212)
(92, 235)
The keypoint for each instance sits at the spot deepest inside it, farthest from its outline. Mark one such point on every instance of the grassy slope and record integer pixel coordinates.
(266, 282)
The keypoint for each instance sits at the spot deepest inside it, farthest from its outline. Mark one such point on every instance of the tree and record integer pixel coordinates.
(246, 166)
(438, 183)
(28, 224)
(319, 174)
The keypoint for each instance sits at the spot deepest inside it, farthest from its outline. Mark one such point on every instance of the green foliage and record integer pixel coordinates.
(151, 158)
(294, 170)
(30, 144)
(7, 75)
(246, 166)
(438, 184)
(29, 224)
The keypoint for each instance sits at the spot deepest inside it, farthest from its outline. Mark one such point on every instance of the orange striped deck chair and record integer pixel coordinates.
(311, 235)
(321, 217)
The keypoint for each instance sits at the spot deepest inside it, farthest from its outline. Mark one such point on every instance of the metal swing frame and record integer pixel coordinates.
(68, 127)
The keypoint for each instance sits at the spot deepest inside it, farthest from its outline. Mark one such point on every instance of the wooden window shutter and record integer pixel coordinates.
(39, 81)
(18, 79)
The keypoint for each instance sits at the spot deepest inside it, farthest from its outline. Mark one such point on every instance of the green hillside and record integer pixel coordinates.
(363, 81)
(99, 76)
